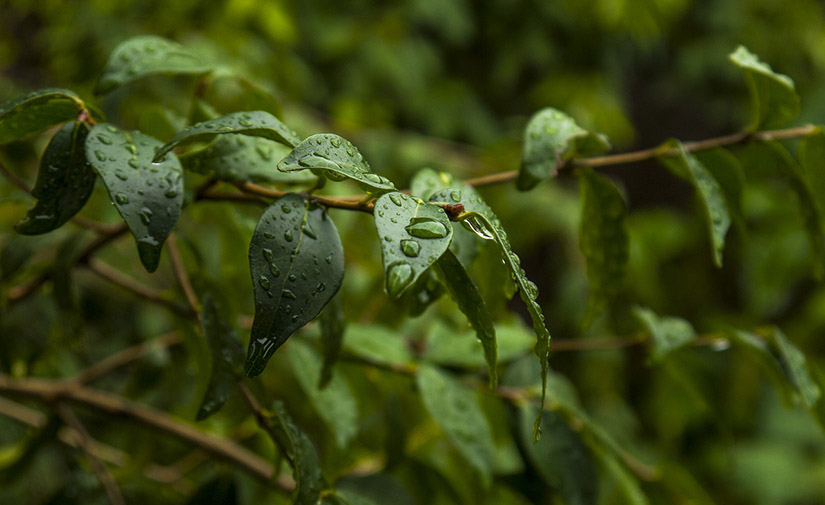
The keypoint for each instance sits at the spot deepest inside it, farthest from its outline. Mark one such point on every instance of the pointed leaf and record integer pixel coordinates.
(551, 139)
(147, 195)
(337, 159)
(64, 182)
(227, 358)
(36, 112)
(466, 295)
(304, 457)
(147, 55)
(667, 334)
(413, 235)
(774, 101)
(297, 265)
(333, 327)
(457, 411)
(726, 169)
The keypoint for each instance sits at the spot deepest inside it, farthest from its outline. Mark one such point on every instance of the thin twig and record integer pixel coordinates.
(180, 274)
(124, 357)
(263, 420)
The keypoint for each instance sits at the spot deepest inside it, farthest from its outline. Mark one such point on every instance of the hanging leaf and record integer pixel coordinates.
(667, 334)
(254, 123)
(333, 327)
(466, 295)
(413, 235)
(147, 195)
(550, 140)
(726, 169)
(297, 265)
(774, 102)
(227, 358)
(603, 240)
(457, 412)
(64, 182)
(423, 293)
(36, 112)
(710, 193)
(337, 159)
(147, 55)
(304, 457)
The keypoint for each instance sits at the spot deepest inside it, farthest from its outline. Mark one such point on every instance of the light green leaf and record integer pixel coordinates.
(147, 55)
(628, 484)
(297, 265)
(253, 123)
(603, 240)
(709, 190)
(427, 181)
(466, 295)
(551, 139)
(333, 327)
(303, 455)
(667, 334)
(337, 159)
(413, 235)
(726, 169)
(377, 344)
(147, 195)
(457, 412)
(227, 359)
(774, 101)
(37, 111)
(448, 347)
(64, 182)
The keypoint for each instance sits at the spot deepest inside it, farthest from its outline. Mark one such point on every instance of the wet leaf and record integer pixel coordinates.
(726, 169)
(303, 455)
(64, 182)
(297, 265)
(147, 195)
(427, 181)
(140, 57)
(227, 359)
(550, 140)
(774, 102)
(448, 347)
(667, 334)
(337, 159)
(36, 112)
(333, 327)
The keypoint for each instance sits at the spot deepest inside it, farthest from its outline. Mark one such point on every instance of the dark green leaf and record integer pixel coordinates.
(466, 295)
(303, 455)
(218, 491)
(774, 101)
(147, 195)
(709, 190)
(457, 412)
(550, 140)
(337, 159)
(253, 123)
(297, 265)
(413, 235)
(147, 55)
(227, 358)
(628, 484)
(333, 327)
(64, 182)
(36, 112)
(667, 334)
(377, 344)
(812, 159)
(760, 350)
(423, 293)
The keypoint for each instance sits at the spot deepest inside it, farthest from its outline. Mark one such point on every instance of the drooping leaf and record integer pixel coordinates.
(423, 293)
(335, 404)
(377, 344)
(726, 169)
(413, 235)
(227, 359)
(457, 412)
(303, 455)
(297, 265)
(709, 190)
(37, 111)
(479, 217)
(603, 240)
(466, 295)
(253, 123)
(774, 101)
(64, 182)
(667, 334)
(147, 195)
(337, 159)
(550, 140)
(142, 56)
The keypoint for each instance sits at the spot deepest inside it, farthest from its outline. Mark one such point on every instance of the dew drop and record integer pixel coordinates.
(121, 198)
(288, 235)
(100, 155)
(396, 198)
(264, 151)
(264, 282)
(335, 143)
(120, 174)
(267, 254)
(171, 193)
(289, 295)
(269, 234)
(410, 248)
(145, 214)
(104, 139)
(288, 309)
(455, 196)
(309, 232)
(134, 163)
(427, 229)
(286, 209)
(399, 276)
(273, 269)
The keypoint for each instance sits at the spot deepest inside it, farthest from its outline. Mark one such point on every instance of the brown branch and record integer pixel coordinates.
(180, 274)
(263, 420)
(124, 357)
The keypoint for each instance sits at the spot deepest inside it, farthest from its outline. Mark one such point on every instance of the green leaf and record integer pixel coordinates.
(667, 334)
(550, 140)
(709, 190)
(479, 218)
(427, 181)
(303, 455)
(336, 404)
(457, 412)
(147, 195)
(64, 182)
(448, 347)
(337, 159)
(333, 327)
(466, 295)
(147, 55)
(36, 112)
(811, 153)
(219, 491)
(726, 169)
(229, 92)
(413, 235)
(254, 123)
(774, 101)
(627, 483)
(377, 344)
(227, 358)
(297, 265)
(561, 459)
(603, 240)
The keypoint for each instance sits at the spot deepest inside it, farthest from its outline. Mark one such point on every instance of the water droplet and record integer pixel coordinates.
(288, 235)
(121, 198)
(320, 287)
(171, 193)
(104, 139)
(264, 282)
(427, 229)
(387, 238)
(309, 232)
(532, 289)
(393, 220)
(410, 247)
(455, 196)
(273, 269)
(399, 276)
(396, 198)
(479, 228)
(148, 239)
(375, 178)
(288, 309)
(264, 151)
(245, 122)
(292, 277)
(269, 234)
(286, 209)
(335, 143)
(267, 254)
(328, 259)
(120, 174)
(134, 163)
(145, 214)
(100, 155)
(289, 295)
(350, 152)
